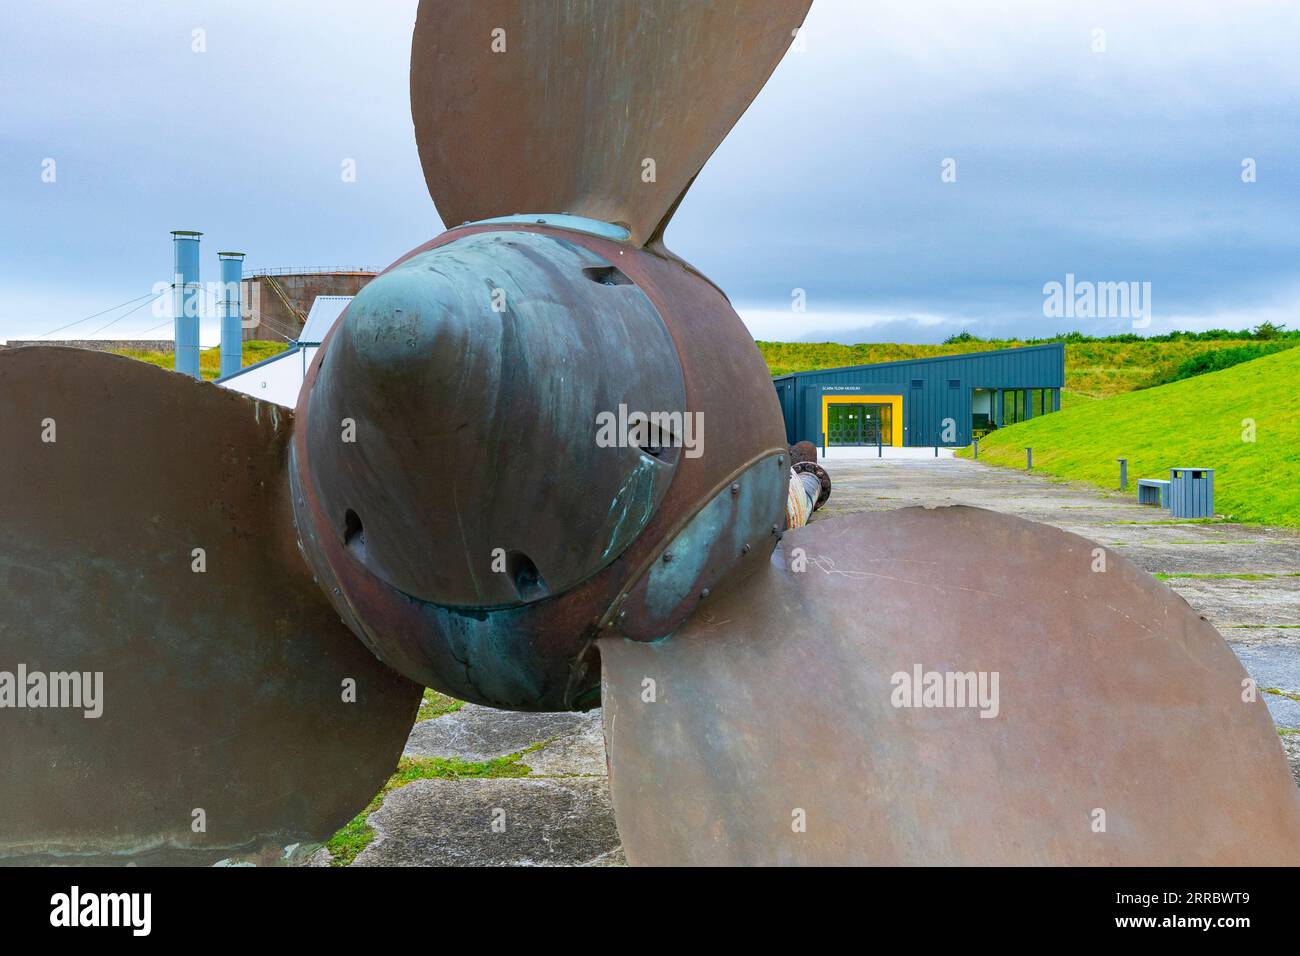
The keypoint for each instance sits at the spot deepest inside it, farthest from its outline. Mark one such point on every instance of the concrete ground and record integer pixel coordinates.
(560, 813)
(848, 454)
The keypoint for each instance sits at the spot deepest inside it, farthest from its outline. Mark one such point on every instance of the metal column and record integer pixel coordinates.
(185, 301)
(232, 333)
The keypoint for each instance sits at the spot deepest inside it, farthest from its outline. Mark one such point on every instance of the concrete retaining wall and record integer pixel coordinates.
(99, 345)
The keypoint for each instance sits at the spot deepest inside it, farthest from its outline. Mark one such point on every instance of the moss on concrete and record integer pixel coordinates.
(357, 834)
(1278, 692)
(435, 704)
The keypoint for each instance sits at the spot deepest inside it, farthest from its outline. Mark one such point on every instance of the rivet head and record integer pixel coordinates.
(667, 557)
(622, 615)
(775, 529)
(745, 550)
(704, 593)
(735, 489)
(781, 460)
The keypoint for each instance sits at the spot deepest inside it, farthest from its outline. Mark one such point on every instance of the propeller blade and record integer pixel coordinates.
(174, 688)
(556, 107)
(791, 721)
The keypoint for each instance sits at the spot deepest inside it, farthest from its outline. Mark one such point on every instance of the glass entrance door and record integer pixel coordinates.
(859, 424)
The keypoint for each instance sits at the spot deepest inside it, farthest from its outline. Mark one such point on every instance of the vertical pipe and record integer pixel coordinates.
(232, 333)
(185, 300)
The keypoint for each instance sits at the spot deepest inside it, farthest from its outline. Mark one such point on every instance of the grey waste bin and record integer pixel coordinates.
(1191, 492)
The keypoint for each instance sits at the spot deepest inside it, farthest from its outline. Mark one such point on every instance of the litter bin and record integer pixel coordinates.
(1191, 492)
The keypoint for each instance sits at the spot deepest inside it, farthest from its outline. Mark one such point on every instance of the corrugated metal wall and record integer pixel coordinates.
(933, 389)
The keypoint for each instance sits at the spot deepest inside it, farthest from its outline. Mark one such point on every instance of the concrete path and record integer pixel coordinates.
(560, 813)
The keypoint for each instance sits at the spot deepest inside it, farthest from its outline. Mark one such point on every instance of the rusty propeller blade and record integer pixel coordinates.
(773, 728)
(526, 107)
(148, 539)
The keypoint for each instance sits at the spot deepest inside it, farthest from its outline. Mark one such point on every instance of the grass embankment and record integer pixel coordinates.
(1207, 422)
(209, 359)
(1092, 369)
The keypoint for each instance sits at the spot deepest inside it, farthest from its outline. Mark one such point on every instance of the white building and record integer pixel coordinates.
(279, 378)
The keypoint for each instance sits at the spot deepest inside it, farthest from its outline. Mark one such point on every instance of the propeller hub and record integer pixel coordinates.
(455, 426)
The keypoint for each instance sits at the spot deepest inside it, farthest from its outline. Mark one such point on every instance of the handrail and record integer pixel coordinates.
(284, 299)
(303, 270)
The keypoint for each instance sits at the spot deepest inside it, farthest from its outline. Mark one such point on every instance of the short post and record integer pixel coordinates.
(823, 446)
(1123, 473)
(975, 444)
(1029, 459)
(880, 444)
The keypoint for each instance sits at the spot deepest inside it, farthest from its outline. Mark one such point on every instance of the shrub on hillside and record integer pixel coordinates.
(1219, 359)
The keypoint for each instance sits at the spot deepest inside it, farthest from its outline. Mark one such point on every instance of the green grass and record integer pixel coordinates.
(1244, 576)
(209, 359)
(1219, 359)
(1092, 369)
(435, 704)
(1197, 422)
(357, 834)
(1071, 398)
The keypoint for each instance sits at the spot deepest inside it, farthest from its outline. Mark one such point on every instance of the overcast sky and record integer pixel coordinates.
(1121, 165)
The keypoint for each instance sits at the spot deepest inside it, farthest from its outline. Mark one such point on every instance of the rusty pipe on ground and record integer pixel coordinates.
(810, 487)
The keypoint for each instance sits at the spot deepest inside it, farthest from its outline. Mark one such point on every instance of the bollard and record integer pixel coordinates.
(823, 445)
(1029, 459)
(975, 443)
(880, 445)
(1123, 473)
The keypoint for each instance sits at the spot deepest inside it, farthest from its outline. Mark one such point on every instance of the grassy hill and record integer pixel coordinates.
(209, 359)
(1197, 422)
(1092, 369)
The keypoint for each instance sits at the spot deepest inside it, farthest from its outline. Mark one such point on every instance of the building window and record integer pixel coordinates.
(1026, 403)
(1013, 409)
(916, 383)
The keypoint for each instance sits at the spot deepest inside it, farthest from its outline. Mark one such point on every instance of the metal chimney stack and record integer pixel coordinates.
(185, 300)
(232, 332)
